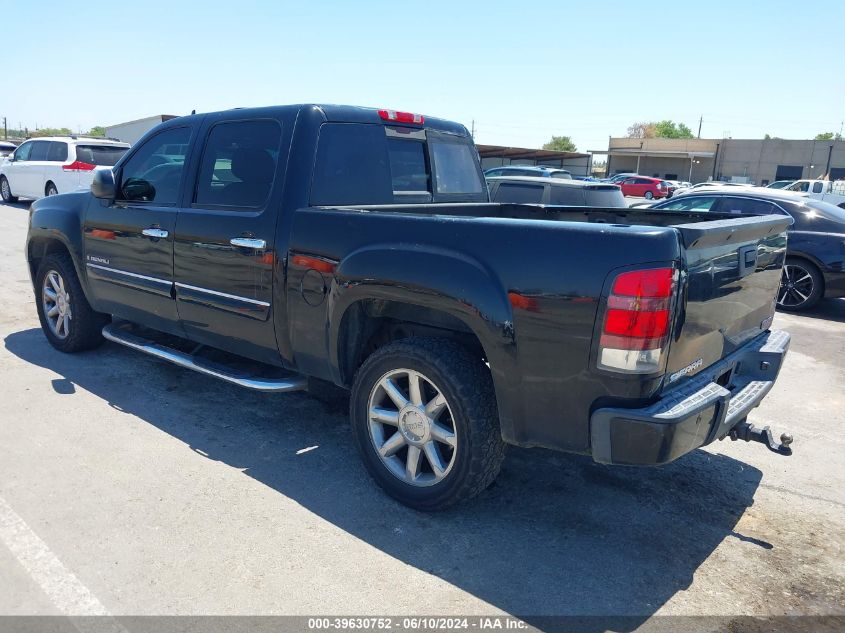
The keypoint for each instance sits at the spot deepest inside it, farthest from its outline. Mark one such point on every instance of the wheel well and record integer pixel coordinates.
(370, 324)
(812, 263)
(39, 249)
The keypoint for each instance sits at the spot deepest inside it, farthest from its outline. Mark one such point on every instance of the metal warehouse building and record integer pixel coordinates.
(576, 163)
(745, 160)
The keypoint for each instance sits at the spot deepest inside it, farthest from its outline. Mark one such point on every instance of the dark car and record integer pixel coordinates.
(283, 246)
(574, 193)
(540, 171)
(815, 264)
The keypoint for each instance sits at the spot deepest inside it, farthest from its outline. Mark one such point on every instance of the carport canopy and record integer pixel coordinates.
(499, 151)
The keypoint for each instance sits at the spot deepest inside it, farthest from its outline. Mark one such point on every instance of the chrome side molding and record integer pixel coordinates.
(123, 336)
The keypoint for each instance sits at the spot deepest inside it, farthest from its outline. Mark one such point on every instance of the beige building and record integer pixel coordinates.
(742, 160)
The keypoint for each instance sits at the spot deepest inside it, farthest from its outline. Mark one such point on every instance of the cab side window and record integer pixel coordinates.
(39, 150)
(154, 171)
(746, 206)
(239, 164)
(22, 153)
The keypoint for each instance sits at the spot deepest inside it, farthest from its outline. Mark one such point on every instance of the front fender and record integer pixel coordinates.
(58, 218)
(439, 279)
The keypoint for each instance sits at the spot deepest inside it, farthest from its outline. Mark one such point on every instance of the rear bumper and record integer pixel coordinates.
(696, 413)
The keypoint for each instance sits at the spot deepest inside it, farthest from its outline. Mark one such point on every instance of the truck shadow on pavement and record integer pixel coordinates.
(555, 535)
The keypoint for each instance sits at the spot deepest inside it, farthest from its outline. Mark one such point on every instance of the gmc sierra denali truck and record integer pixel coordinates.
(271, 246)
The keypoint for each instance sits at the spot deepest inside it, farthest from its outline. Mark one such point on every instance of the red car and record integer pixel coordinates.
(644, 187)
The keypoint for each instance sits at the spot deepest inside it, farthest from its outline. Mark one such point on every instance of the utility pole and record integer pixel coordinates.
(472, 133)
(700, 121)
(5, 130)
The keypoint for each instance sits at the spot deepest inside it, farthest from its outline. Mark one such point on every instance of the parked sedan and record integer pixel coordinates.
(815, 263)
(7, 148)
(644, 187)
(779, 184)
(571, 193)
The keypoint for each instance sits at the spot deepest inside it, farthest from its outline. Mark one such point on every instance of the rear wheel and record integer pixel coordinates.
(423, 414)
(801, 285)
(51, 189)
(67, 319)
(6, 190)
(648, 195)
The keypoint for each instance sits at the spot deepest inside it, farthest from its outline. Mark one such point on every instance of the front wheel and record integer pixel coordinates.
(67, 319)
(423, 414)
(801, 286)
(6, 190)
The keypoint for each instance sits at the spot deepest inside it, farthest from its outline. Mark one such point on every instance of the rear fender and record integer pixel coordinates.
(439, 279)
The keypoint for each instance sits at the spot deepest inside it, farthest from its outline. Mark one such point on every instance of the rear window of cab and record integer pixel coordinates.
(363, 163)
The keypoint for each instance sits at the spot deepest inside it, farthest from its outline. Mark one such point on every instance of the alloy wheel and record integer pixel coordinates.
(55, 301)
(796, 286)
(411, 427)
(5, 190)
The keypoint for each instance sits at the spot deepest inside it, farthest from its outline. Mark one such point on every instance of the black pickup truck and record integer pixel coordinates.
(272, 247)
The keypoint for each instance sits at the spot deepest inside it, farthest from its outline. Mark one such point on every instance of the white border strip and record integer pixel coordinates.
(127, 273)
(60, 584)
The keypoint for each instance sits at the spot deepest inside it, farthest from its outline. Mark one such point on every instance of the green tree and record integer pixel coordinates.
(97, 130)
(51, 131)
(561, 144)
(660, 129)
(767, 137)
(670, 129)
(828, 136)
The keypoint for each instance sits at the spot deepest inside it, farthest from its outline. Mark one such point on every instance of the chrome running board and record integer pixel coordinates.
(123, 334)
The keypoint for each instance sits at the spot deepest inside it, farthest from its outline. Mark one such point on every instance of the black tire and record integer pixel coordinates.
(50, 189)
(807, 281)
(5, 191)
(466, 384)
(648, 195)
(85, 325)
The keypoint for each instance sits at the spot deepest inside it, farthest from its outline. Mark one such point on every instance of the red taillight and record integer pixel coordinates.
(401, 117)
(78, 165)
(637, 320)
(656, 282)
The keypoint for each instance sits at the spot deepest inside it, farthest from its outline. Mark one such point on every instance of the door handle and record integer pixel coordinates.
(153, 232)
(248, 242)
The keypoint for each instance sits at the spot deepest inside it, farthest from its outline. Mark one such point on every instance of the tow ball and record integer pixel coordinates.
(750, 433)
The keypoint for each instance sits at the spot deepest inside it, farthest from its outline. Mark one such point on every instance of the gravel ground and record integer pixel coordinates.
(128, 486)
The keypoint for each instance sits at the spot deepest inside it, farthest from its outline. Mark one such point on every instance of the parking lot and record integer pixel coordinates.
(129, 486)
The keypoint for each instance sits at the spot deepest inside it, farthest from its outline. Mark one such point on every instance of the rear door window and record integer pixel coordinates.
(573, 196)
(40, 149)
(57, 152)
(746, 206)
(409, 172)
(605, 197)
(519, 193)
(239, 164)
(105, 155)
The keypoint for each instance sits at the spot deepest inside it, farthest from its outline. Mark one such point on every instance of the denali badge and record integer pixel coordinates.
(99, 260)
(689, 369)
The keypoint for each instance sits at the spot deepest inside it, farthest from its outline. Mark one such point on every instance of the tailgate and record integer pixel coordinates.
(733, 271)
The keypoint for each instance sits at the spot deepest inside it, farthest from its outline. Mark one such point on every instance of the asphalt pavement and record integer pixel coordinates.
(130, 486)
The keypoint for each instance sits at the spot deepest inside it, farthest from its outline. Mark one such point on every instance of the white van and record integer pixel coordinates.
(50, 165)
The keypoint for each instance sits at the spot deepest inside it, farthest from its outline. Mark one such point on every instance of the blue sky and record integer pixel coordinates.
(521, 70)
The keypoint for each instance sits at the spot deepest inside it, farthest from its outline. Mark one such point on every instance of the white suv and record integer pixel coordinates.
(50, 165)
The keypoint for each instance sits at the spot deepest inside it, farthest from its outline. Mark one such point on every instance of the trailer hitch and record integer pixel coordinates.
(750, 433)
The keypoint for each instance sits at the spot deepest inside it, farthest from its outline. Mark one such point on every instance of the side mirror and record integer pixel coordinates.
(103, 185)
